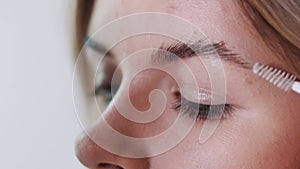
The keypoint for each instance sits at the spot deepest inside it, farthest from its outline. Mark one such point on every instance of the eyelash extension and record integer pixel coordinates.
(201, 111)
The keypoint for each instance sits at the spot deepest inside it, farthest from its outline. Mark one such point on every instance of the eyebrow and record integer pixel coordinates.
(171, 53)
(95, 46)
(182, 50)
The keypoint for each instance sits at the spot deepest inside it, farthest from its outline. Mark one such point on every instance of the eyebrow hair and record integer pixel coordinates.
(182, 50)
(87, 41)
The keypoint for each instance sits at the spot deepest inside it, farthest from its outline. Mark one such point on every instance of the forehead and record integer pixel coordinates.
(218, 20)
(200, 12)
(213, 17)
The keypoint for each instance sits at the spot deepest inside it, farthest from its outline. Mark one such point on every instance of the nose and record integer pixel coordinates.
(94, 147)
(89, 147)
(93, 156)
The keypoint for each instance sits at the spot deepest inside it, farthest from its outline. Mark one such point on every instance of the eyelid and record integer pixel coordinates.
(202, 111)
(202, 95)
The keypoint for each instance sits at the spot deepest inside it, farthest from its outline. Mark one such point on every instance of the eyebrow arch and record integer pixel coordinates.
(182, 50)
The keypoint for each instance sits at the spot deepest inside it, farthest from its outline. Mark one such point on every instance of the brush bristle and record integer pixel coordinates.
(277, 77)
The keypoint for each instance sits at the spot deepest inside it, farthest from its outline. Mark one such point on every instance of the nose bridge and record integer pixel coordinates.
(139, 89)
(133, 98)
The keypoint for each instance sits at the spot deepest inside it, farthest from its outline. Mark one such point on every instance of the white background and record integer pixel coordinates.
(38, 124)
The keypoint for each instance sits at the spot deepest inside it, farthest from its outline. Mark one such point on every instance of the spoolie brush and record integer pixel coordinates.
(277, 77)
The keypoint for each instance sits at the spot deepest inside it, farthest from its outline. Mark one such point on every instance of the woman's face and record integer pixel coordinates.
(261, 128)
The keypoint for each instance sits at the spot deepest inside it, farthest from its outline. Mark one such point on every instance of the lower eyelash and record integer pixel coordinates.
(201, 111)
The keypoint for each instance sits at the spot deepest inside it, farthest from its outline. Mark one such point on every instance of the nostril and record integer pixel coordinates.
(109, 166)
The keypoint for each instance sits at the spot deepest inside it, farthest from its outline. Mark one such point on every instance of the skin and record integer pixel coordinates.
(263, 131)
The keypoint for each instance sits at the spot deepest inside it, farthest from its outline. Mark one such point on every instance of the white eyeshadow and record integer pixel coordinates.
(201, 96)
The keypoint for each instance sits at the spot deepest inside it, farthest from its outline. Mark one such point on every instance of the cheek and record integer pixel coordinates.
(221, 151)
(269, 141)
(264, 138)
(268, 129)
(273, 121)
(257, 142)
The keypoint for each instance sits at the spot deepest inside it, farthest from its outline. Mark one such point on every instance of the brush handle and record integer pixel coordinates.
(296, 87)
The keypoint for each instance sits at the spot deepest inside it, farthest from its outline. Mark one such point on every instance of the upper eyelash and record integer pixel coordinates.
(193, 109)
(106, 89)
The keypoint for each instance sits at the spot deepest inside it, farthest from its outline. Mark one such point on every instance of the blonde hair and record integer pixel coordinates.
(277, 21)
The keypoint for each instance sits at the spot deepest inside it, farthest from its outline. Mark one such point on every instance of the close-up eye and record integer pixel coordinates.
(201, 111)
(105, 88)
(106, 92)
(107, 81)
